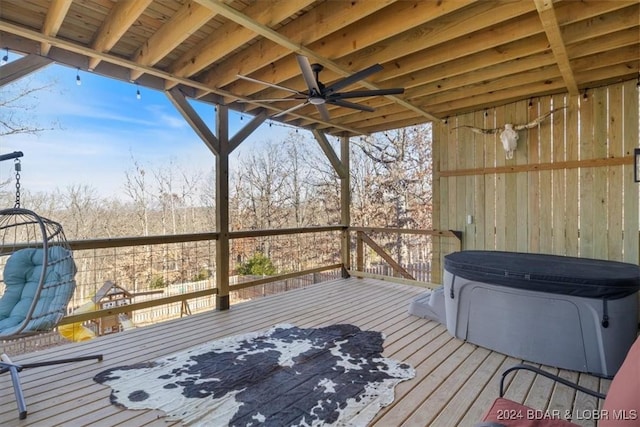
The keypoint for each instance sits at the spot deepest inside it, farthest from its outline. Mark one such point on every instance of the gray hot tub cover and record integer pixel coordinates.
(583, 277)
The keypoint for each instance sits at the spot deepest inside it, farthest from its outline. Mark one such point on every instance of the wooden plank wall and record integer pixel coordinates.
(568, 190)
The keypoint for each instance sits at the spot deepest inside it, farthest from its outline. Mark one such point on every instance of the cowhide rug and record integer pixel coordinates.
(285, 376)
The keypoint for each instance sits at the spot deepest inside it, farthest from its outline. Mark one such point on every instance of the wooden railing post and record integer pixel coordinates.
(222, 209)
(345, 206)
(359, 251)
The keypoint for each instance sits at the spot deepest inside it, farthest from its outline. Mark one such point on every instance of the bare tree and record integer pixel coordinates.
(166, 195)
(136, 188)
(298, 181)
(397, 175)
(79, 203)
(188, 191)
(208, 200)
(326, 188)
(263, 175)
(16, 101)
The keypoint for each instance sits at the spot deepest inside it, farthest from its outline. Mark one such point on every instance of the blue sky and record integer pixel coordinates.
(100, 125)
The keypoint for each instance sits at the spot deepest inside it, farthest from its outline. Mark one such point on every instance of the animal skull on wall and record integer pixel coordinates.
(509, 138)
(509, 133)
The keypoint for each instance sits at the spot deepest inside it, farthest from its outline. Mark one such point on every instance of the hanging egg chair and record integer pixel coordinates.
(36, 285)
(38, 273)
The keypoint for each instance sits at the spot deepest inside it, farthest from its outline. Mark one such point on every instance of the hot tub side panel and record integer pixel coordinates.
(553, 329)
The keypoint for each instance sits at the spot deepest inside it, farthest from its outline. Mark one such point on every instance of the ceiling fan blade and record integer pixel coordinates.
(350, 105)
(348, 81)
(307, 73)
(282, 113)
(324, 112)
(251, 79)
(293, 98)
(365, 93)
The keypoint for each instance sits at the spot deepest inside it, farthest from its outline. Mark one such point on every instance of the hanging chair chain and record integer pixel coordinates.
(18, 169)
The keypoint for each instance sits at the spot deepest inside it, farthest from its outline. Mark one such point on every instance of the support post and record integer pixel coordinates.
(222, 208)
(359, 251)
(345, 206)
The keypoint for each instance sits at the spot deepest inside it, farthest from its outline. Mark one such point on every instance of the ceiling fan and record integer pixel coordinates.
(320, 95)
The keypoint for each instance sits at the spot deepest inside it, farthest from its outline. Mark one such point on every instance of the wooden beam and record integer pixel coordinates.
(516, 38)
(285, 276)
(222, 209)
(247, 130)
(234, 35)
(83, 317)
(551, 27)
(190, 17)
(393, 279)
(456, 65)
(55, 15)
(385, 256)
(72, 47)
(178, 99)
(346, 40)
(19, 68)
(121, 17)
(305, 30)
(419, 231)
(500, 97)
(205, 88)
(345, 206)
(341, 169)
(467, 22)
(534, 167)
(266, 32)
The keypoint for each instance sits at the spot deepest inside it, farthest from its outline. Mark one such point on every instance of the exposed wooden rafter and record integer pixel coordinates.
(121, 17)
(451, 57)
(188, 19)
(53, 21)
(304, 30)
(552, 29)
(210, 49)
(126, 63)
(276, 37)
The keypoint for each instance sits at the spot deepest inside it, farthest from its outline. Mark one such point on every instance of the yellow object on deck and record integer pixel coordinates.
(77, 331)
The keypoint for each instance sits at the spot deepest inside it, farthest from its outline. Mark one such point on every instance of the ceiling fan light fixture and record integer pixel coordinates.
(320, 95)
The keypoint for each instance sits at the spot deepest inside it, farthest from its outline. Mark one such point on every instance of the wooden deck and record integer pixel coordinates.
(455, 381)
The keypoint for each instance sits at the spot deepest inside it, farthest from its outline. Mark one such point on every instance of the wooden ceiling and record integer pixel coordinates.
(450, 56)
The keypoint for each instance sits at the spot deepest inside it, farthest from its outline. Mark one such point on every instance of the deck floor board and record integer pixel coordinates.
(455, 381)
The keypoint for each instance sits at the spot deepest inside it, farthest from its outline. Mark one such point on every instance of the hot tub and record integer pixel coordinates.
(572, 313)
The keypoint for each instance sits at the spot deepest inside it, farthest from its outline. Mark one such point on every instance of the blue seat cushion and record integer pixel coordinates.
(22, 276)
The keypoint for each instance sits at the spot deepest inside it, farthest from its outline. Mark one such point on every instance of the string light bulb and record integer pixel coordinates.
(138, 94)
(78, 80)
(5, 58)
(585, 96)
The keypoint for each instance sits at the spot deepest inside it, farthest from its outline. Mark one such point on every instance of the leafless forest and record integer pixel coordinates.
(287, 183)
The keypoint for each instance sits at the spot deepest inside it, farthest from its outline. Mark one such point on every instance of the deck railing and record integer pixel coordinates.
(410, 254)
(173, 275)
